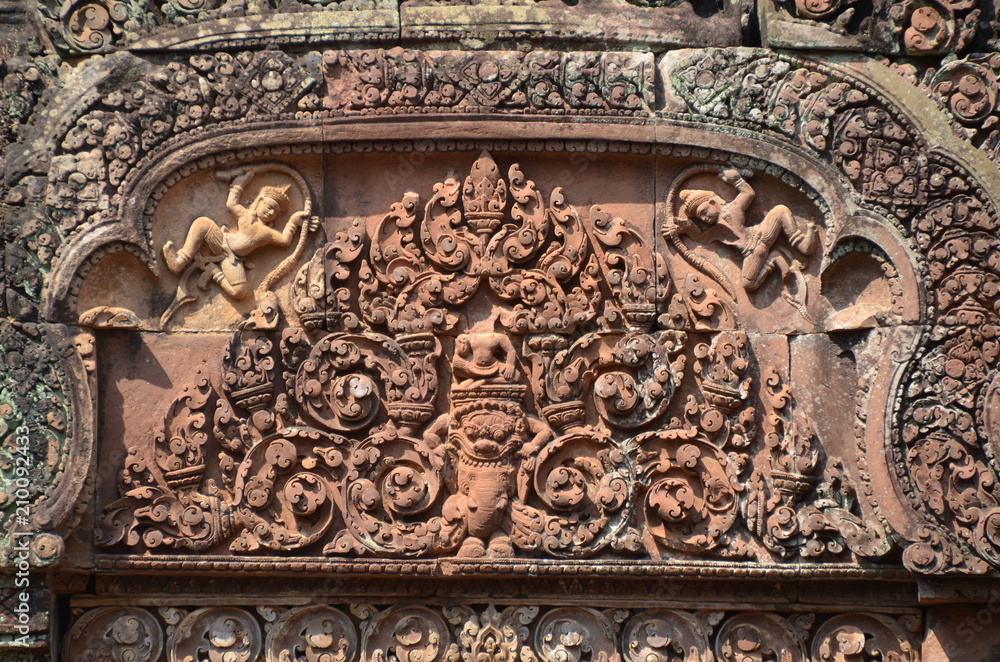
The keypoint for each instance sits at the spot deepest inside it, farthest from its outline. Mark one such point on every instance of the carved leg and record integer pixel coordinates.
(805, 236)
(234, 281)
(176, 259)
(753, 276)
(235, 291)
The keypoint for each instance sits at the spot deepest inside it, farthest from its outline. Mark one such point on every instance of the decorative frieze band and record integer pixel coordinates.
(486, 633)
(546, 82)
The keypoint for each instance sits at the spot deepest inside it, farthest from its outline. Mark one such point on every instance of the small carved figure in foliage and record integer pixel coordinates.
(481, 357)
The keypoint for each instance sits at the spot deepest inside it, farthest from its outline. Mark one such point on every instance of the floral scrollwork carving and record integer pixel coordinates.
(93, 25)
(215, 634)
(346, 381)
(663, 635)
(862, 638)
(161, 503)
(286, 494)
(690, 496)
(115, 634)
(636, 382)
(759, 637)
(392, 500)
(584, 482)
(575, 634)
(315, 633)
(422, 265)
(492, 635)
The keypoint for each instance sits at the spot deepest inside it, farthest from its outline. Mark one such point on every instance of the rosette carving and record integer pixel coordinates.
(574, 634)
(630, 376)
(970, 89)
(215, 634)
(662, 635)
(312, 634)
(637, 378)
(115, 634)
(759, 637)
(92, 25)
(411, 634)
(862, 638)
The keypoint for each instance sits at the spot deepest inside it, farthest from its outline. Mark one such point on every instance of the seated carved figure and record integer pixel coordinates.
(222, 250)
(756, 242)
(481, 357)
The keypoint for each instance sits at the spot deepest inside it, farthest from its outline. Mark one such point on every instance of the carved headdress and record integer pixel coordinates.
(691, 199)
(277, 193)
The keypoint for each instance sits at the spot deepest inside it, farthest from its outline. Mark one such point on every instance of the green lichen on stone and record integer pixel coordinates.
(17, 656)
(34, 419)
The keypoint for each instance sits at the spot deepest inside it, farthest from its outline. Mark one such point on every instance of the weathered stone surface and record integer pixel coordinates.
(499, 331)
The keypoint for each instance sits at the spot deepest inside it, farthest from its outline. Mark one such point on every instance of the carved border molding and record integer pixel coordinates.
(488, 632)
(940, 396)
(47, 425)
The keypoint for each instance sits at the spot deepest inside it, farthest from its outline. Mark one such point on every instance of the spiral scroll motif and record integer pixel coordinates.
(691, 498)
(312, 634)
(287, 490)
(115, 634)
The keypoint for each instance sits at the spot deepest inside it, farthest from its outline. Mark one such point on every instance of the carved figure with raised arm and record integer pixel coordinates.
(756, 243)
(219, 252)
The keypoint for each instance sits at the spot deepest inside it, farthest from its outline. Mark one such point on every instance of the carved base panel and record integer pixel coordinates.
(485, 632)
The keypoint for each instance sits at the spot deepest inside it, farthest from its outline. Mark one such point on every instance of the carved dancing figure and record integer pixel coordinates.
(219, 252)
(756, 243)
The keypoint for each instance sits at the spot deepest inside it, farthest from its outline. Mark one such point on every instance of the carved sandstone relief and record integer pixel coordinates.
(904, 28)
(941, 460)
(355, 632)
(68, 209)
(493, 372)
(217, 253)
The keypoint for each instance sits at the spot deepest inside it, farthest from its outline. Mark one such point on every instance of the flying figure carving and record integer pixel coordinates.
(219, 252)
(757, 244)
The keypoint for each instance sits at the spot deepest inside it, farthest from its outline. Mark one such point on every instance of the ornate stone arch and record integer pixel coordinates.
(488, 377)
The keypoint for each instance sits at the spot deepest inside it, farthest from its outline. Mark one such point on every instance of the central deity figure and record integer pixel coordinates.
(484, 363)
